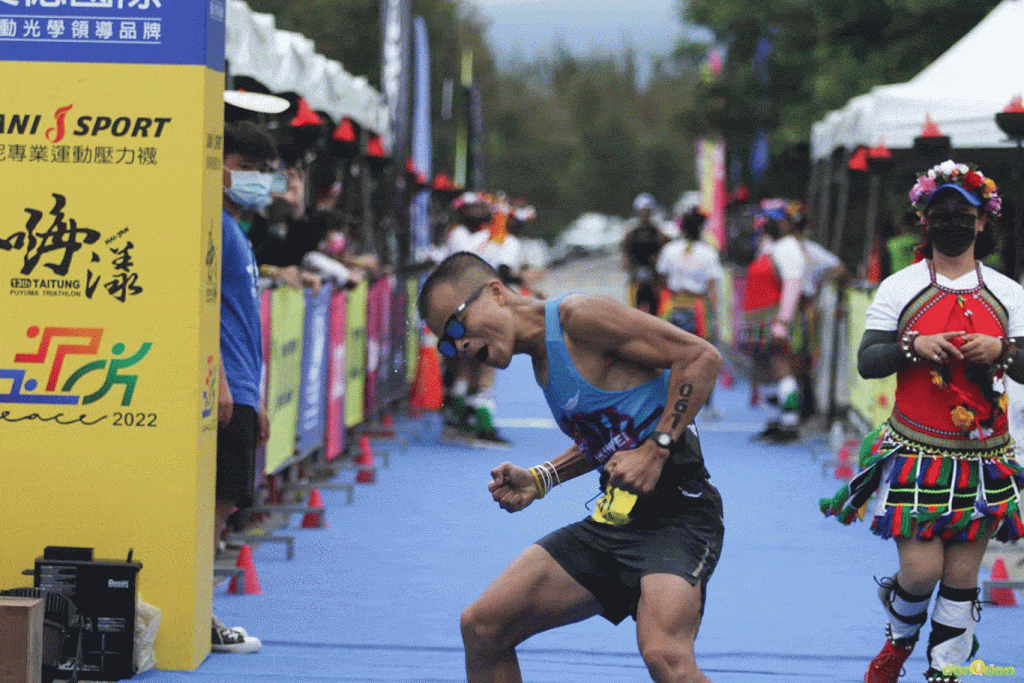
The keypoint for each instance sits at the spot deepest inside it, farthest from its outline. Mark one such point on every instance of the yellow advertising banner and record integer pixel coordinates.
(412, 334)
(872, 398)
(109, 297)
(288, 311)
(355, 354)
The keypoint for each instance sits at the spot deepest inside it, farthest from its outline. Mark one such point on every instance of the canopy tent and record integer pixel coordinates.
(287, 62)
(961, 90)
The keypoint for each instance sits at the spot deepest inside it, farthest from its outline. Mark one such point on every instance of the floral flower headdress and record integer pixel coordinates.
(966, 176)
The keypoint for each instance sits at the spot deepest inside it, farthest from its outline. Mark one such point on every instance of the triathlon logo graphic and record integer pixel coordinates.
(86, 384)
(603, 432)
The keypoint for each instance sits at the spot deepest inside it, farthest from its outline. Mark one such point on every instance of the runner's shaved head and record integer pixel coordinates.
(463, 271)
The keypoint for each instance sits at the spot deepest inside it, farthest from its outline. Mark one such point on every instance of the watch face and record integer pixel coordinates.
(663, 439)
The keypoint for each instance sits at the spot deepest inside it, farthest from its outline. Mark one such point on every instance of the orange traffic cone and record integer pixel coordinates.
(1002, 597)
(844, 464)
(252, 579)
(315, 520)
(427, 391)
(367, 470)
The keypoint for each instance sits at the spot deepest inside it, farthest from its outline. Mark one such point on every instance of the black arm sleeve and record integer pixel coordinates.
(879, 354)
(1016, 369)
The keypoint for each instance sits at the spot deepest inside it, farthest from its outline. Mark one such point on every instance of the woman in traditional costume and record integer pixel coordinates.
(942, 465)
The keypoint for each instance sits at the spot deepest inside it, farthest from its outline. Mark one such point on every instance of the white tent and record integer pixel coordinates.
(286, 61)
(961, 90)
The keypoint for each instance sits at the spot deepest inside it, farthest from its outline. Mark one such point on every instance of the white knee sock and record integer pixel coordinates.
(952, 638)
(907, 612)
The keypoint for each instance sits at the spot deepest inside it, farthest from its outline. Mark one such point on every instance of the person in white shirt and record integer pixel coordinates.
(691, 270)
(821, 267)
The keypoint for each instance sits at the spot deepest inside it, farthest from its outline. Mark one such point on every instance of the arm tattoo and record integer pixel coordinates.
(680, 406)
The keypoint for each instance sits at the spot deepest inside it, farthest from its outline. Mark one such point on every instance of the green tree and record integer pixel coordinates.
(823, 53)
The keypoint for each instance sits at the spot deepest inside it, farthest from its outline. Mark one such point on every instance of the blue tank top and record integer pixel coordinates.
(600, 422)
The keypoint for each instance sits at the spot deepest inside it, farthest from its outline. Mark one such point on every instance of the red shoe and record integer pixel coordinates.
(887, 666)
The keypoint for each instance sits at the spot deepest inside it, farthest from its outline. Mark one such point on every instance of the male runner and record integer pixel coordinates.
(625, 386)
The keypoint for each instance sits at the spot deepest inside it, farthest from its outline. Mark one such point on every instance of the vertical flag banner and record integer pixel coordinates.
(422, 140)
(711, 183)
(396, 23)
(396, 79)
(111, 129)
(462, 122)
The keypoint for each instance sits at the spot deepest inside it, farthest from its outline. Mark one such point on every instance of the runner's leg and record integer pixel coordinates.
(533, 594)
(667, 620)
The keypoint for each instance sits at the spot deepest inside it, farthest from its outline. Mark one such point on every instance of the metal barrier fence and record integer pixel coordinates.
(333, 360)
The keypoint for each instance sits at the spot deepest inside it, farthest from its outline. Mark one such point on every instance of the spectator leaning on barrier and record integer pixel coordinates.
(280, 233)
(248, 152)
(942, 466)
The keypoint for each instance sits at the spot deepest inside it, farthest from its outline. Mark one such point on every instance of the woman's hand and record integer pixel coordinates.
(937, 347)
(981, 349)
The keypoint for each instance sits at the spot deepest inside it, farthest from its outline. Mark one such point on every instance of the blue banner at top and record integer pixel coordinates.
(113, 31)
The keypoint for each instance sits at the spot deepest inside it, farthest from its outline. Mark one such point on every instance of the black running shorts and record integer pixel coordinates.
(236, 456)
(609, 561)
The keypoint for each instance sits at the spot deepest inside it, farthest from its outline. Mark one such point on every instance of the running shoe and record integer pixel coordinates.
(887, 666)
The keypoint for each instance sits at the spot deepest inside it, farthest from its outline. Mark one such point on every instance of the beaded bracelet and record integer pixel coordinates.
(1007, 355)
(907, 346)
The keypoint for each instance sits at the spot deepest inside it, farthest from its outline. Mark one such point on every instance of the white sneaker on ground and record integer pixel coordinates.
(233, 640)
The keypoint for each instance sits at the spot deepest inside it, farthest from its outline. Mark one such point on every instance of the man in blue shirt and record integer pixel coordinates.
(248, 152)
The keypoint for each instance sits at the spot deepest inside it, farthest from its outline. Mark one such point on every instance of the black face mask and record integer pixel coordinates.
(951, 234)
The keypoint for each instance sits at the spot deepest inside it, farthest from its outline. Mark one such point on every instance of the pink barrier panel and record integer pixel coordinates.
(374, 322)
(335, 437)
(386, 350)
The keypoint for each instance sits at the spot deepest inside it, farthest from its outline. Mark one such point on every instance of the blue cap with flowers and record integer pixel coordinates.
(965, 179)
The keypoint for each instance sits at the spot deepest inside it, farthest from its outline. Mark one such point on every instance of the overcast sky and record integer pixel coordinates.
(525, 29)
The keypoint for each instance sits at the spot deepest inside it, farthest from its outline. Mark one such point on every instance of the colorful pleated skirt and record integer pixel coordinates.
(925, 495)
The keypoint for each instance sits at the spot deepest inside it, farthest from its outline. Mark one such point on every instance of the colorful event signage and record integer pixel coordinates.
(711, 179)
(287, 317)
(114, 31)
(412, 330)
(111, 129)
(335, 418)
(355, 354)
(313, 389)
(378, 342)
(395, 384)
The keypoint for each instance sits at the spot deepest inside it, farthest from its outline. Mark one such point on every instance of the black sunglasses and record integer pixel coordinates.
(455, 329)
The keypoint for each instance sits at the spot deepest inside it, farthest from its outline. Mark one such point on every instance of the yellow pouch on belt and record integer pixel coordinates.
(614, 506)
